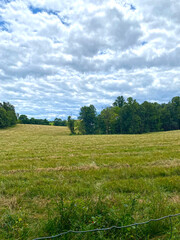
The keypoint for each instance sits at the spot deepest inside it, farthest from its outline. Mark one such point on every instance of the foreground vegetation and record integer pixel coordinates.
(52, 182)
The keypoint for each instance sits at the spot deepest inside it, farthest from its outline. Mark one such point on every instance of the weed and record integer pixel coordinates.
(14, 226)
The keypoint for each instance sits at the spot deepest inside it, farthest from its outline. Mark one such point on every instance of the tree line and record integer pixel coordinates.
(8, 118)
(7, 115)
(123, 117)
(127, 117)
(23, 119)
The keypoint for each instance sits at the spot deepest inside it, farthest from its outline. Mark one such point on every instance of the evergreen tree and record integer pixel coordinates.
(119, 102)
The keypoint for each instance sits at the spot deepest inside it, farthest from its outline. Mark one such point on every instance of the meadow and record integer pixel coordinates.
(51, 181)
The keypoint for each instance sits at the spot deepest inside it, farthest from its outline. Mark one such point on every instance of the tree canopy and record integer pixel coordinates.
(7, 115)
(130, 117)
(88, 119)
(25, 120)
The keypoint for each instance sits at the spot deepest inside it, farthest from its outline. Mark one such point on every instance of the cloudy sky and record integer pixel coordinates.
(59, 55)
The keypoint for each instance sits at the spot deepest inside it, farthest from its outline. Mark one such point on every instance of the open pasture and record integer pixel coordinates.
(47, 174)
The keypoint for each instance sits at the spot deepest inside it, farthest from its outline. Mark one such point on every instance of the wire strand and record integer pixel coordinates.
(112, 227)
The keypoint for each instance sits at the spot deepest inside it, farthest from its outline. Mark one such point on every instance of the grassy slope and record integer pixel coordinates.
(38, 164)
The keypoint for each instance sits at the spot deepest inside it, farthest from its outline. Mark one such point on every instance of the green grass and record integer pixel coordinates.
(51, 182)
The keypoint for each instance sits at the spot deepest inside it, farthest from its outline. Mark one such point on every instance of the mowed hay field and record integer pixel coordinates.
(51, 182)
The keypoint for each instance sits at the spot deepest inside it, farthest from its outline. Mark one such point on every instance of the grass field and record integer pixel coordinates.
(51, 182)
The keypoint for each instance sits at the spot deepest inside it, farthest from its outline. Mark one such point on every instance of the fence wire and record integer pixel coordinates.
(116, 227)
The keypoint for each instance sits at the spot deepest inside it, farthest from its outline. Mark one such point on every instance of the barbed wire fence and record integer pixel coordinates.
(116, 227)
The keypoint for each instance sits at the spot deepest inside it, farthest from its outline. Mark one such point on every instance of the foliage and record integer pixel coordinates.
(130, 117)
(7, 115)
(70, 124)
(86, 215)
(87, 116)
(59, 122)
(107, 120)
(91, 214)
(14, 226)
(23, 119)
(119, 102)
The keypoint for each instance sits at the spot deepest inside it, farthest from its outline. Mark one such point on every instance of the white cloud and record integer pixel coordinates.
(57, 56)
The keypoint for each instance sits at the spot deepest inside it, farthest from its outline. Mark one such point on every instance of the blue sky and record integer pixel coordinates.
(57, 56)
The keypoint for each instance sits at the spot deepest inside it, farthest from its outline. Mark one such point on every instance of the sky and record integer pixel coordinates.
(59, 55)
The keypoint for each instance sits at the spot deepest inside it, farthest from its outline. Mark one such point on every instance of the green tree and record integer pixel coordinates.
(131, 120)
(165, 117)
(3, 118)
(151, 118)
(70, 124)
(7, 115)
(119, 102)
(23, 119)
(88, 119)
(107, 120)
(10, 110)
(59, 122)
(175, 112)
